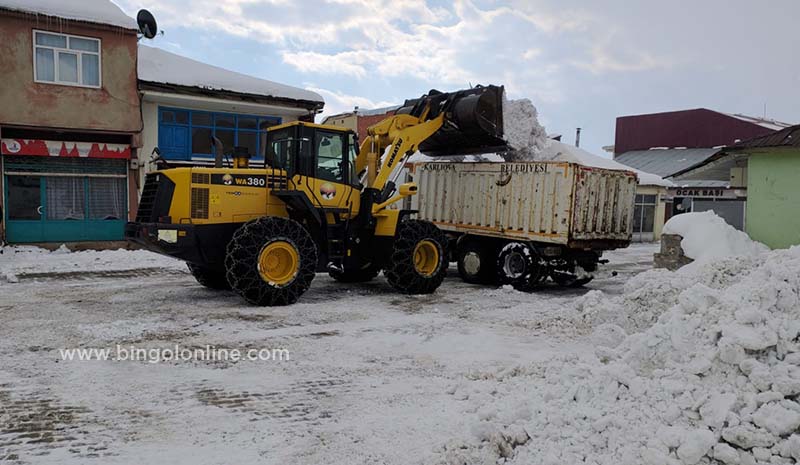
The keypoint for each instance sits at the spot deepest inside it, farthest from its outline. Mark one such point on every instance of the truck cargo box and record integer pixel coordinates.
(549, 202)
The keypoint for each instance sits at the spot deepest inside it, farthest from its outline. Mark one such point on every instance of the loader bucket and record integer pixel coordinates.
(473, 121)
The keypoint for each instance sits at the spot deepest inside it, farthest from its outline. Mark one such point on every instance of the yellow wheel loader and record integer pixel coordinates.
(321, 203)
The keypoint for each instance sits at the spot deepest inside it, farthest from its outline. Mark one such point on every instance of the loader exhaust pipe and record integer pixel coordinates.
(219, 152)
(473, 120)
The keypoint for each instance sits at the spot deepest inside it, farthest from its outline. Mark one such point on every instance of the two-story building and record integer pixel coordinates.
(69, 120)
(83, 105)
(186, 102)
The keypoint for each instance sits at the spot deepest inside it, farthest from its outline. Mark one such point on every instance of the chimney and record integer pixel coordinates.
(578, 137)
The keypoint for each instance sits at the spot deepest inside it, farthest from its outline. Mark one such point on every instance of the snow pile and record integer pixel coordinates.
(716, 379)
(157, 65)
(522, 130)
(560, 151)
(93, 11)
(706, 236)
(17, 261)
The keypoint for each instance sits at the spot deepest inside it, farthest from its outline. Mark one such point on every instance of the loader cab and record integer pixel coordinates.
(315, 151)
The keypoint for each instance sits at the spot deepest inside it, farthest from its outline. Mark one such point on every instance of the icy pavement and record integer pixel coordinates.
(373, 376)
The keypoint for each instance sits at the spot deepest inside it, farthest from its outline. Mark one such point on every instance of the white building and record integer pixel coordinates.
(186, 102)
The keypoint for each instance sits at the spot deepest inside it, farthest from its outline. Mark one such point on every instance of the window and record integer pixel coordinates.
(186, 134)
(66, 59)
(107, 198)
(644, 213)
(352, 156)
(65, 198)
(330, 147)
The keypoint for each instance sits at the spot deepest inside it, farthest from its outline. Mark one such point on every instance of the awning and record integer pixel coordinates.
(59, 148)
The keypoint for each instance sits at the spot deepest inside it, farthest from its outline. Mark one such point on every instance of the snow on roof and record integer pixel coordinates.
(378, 111)
(92, 11)
(763, 122)
(560, 151)
(157, 65)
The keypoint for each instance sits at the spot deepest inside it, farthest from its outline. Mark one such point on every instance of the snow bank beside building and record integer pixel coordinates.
(715, 378)
(17, 261)
(706, 236)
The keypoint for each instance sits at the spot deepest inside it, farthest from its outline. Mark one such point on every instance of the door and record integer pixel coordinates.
(329, 170)
(24, 208)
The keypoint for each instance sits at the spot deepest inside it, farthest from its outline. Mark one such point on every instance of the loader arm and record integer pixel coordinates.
(401, 135)
(438, 123)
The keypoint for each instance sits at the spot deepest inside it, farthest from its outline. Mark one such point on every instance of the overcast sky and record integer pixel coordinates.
(581, 62)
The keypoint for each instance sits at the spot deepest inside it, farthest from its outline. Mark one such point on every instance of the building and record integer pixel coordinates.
(69, 120)
(186, 102)
(769, 166)
(360, 120)
(672, 143)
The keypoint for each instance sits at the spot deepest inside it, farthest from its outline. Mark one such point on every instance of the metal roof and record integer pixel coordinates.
(789, 137)
(665, 162)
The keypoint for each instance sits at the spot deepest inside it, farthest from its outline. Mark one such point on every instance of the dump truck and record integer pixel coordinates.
(521, 223)
(321, 203)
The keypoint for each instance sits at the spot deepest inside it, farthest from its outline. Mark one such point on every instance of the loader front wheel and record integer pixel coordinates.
(212, 279)
(271, 261)
(418, 263)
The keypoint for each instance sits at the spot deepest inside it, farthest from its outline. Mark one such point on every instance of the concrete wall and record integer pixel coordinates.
(347, 120)
(773, 197)
(23, 102)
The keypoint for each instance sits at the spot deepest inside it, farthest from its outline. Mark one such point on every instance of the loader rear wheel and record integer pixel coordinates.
(212, 279)
(418, 263)
(521, 266)
(271, 261)
(356, 276)
(477, 262)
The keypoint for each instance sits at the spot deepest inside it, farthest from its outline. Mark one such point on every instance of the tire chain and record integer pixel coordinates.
(241, 261)
(400, 271)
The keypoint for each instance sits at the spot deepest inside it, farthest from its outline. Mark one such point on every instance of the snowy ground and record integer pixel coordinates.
(374, 377)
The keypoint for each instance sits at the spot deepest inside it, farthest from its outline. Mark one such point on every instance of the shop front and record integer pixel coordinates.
(60, 191)
(728, 203)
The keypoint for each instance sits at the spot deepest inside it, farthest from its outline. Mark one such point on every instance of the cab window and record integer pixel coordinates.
(352, 154)
(330, 161)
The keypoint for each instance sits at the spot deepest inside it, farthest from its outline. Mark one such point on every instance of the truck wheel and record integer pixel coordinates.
(355, 276)
(518, 264)
(271, 261)
(477, 262)
(212, 279)
(418, 263)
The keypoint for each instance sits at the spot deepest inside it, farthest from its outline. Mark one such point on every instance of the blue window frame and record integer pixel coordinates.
(185, 135)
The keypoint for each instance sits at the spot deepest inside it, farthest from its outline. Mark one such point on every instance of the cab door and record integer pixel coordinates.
(326, 169)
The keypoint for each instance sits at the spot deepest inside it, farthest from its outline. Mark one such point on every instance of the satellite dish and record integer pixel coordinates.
(147, 24)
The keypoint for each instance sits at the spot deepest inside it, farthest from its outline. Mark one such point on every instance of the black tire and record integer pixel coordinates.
(247, 247)
(518, 264)
(356, 276)
(477, 262)
(212, 279)
(402, 272)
